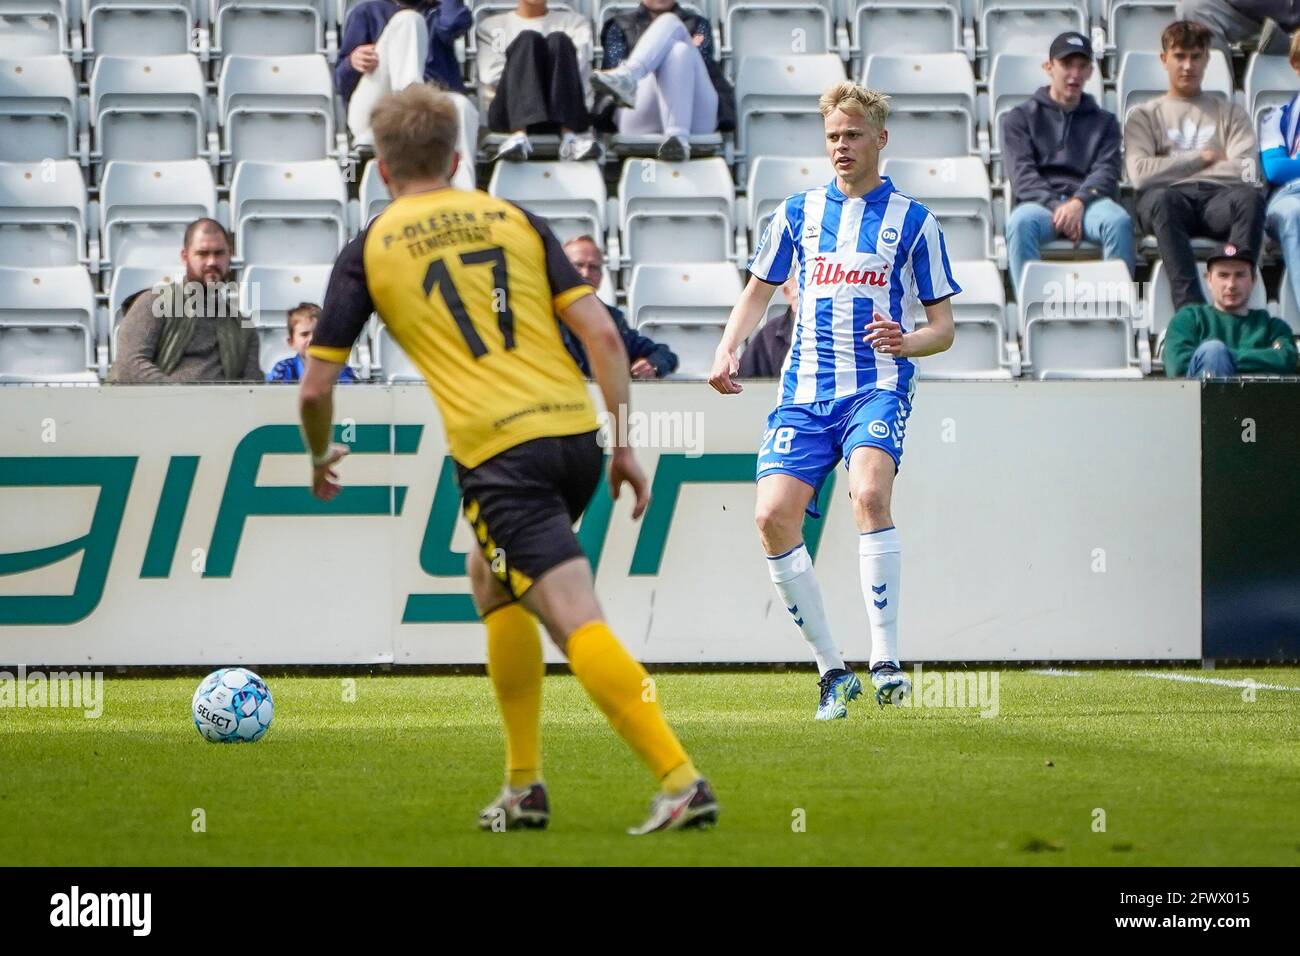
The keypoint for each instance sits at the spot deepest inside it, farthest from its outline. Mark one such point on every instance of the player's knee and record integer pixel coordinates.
(870, 504)
(775, 520)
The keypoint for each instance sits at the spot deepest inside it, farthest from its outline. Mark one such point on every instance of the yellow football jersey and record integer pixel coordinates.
(468, 286)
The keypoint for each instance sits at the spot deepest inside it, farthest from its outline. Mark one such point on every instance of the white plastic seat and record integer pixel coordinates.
(148, 108)
(773, 178)
(33, 27)
(979, 349)
(289, 213)
(761, 27)
(1014, 78)
(1142, 78)
(1027, 26)
(684, 306)
(42, 214)
(145, 207)
(571, 197)
(896, 27)
(1137, 24)
(957, 191)
(267, 293)
(38, 111)
(776, 103)
(140, 28)
(1076, 320)
(676, 212)
(394, 364)
(274, 28)
(1270, 82)
(47, 325)
(276, 108)
(932, 103)
(374, 193)
(1159, 305)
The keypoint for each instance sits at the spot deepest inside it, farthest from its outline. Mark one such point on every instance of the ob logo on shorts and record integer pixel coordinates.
(878, 429)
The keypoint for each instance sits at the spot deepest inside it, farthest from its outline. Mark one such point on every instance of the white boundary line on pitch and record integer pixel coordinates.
(1218, 681)
(1056, 672)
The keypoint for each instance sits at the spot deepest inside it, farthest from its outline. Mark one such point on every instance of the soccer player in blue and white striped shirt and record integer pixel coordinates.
(868, 260)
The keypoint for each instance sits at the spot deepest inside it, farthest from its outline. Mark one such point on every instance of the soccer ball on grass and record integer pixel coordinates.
(231, 706)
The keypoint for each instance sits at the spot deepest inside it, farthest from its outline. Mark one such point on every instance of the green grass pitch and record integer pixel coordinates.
(1185, 773)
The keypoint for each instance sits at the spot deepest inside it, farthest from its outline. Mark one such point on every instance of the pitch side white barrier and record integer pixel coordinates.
(172, 525)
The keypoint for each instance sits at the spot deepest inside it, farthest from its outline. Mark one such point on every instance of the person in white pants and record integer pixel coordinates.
(663, 84)
(394, 62)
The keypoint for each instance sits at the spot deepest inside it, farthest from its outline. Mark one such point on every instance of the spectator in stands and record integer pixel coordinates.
(1191, 157)
(534, 66)
(1228, 337)
(658, 65)
(1264, 23)
(301, 324)
(649, 359)
(1279, 153)
(388, 45)
(189, 331)
(765, 354)
(1062, 154)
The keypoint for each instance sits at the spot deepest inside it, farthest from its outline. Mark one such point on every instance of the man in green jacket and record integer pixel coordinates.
(1228, 337)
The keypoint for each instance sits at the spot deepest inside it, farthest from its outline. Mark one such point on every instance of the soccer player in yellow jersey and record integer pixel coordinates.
(469, 286)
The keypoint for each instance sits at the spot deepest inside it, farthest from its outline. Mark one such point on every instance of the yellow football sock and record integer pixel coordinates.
(514, 652)
(624, 692)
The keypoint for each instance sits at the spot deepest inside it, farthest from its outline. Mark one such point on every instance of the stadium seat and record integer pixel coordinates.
(148, 108)
(267, 293)
(393, 364)
(47, 325)
(1076, 320)
(932, 103)
(1137, 25)
(127, 281)
(676, 212)
(277, 109)
(684, 306)
(1159, 305)
(374, 193)
(145, 207)
(896, 27)
(776, 103)
(773, 178)
(1027, 26)
(762, 27)
(143, 28)
(1142, 78)
(36, 27)
(957, 192)
(979, 351)
(1014, 78)
(42, 214)
(275, 28)
(1270, 82)
(289, 213)
(571, 197)
(38, 111)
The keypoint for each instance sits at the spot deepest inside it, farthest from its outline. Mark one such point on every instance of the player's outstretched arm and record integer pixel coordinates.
(316, 408)
(745, 316)
(590, 321)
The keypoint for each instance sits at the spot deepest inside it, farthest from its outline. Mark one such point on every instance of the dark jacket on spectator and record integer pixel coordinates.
(768, 347)
(1051, 155)
(1285, 12)
(638, 346)
(448, 20)
(619, 38)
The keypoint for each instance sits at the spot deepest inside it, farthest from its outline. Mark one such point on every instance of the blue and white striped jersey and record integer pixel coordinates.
(881, 253)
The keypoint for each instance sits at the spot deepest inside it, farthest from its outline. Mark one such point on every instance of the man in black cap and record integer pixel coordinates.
(1228, 337)
(1062, 154)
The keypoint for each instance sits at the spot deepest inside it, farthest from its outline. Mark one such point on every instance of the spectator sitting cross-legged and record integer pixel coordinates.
(1062, 155)
(301, 324)
(1228, 337)
(1279, 153)
(1191, 157)
(1265, 23)
(189, 331)
(533, 68)
(764, 356)
(658, 66)
(649, 358)
(388, 45)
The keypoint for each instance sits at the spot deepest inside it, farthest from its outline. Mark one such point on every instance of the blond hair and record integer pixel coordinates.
(415, 133)
(871, 105)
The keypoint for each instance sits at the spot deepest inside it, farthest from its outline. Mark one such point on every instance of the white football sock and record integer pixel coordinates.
(796, 583)
(880, 564)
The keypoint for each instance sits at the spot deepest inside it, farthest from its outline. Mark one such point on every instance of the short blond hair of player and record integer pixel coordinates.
(469, 285)
(849, 97)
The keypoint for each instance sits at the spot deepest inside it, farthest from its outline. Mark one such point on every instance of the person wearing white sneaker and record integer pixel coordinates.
(388, 45)
(533, 68)
(658, 67)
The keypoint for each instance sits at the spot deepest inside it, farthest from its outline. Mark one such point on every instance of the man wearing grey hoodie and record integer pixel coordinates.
(1062, 155)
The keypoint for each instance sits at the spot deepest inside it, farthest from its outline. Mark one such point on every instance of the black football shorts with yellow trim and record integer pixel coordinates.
(523, 502)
